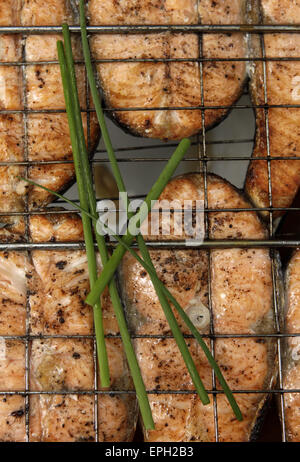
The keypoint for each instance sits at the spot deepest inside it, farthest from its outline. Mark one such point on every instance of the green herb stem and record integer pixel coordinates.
(114, 295)
(87, 226)
(96, 99)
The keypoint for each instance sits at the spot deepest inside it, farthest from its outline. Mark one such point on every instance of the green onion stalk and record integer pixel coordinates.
(87, 226)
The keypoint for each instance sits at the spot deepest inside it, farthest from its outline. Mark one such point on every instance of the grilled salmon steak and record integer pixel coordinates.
(240, 285)
(40, 135)
(172, 83)
(60, 369)
(282, 83)
(292, 350)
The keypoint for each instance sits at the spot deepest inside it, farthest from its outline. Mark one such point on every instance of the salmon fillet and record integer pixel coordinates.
(292, 365)
(38, 137)
(282, 84)
(241, 302)
(57, 283)
(170, 84)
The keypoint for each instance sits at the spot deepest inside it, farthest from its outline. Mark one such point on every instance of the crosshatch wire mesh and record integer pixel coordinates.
(209, 153)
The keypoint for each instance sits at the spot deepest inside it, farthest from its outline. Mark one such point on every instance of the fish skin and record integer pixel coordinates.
(241, 297)
(47, 134)
(57, 284)
(291, 370)
(175, 84)
(282, 88)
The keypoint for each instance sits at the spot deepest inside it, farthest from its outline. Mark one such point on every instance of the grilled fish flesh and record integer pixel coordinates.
(292, 364)
(282, 88)
(241, 303)
(40, 136)
(168, 84)
(57, 283)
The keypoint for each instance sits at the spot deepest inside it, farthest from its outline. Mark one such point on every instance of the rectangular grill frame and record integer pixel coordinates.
(202, 158)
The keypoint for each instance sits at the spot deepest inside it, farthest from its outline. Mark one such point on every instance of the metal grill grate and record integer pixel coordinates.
(141, 148)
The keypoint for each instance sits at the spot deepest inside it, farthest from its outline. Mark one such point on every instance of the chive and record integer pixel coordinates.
(85, 178)
(168, 294)
(121, 186)
(84, 158)
(87, 226)
(96, 99)
(60, 196)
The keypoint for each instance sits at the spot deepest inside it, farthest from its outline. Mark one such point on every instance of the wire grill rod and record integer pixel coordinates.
(148, 29)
